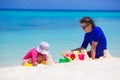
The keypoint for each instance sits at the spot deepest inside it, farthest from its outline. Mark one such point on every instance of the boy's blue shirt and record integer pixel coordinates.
(96, 35)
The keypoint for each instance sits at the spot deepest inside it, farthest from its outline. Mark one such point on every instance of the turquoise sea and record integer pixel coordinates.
(21, 31)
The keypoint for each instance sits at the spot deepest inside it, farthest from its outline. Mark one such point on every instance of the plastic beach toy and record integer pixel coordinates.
(68, 59)
(65, 55)
(81, 56)
(62, 61)
(43, 62)
(72, 56)
(27, 64)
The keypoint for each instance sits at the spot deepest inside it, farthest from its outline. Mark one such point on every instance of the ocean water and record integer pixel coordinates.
(21, 31)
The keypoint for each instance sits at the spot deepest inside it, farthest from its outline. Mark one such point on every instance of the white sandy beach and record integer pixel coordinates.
(101, 69)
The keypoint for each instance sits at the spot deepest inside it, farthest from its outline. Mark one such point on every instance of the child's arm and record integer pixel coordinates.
(81, 48)
(35, 64)
(34, 58)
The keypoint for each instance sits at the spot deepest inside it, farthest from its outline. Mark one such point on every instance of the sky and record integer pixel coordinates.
(61, 4)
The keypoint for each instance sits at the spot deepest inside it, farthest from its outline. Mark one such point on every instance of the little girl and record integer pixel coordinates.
(37, 55)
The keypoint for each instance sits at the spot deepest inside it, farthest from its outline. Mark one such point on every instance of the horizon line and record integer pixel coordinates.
(69, 10)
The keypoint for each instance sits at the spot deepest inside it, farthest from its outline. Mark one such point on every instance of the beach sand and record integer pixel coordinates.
(100, 69)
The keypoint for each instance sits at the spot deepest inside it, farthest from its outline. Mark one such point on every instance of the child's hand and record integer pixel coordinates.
(30, 61)
(35, 64)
